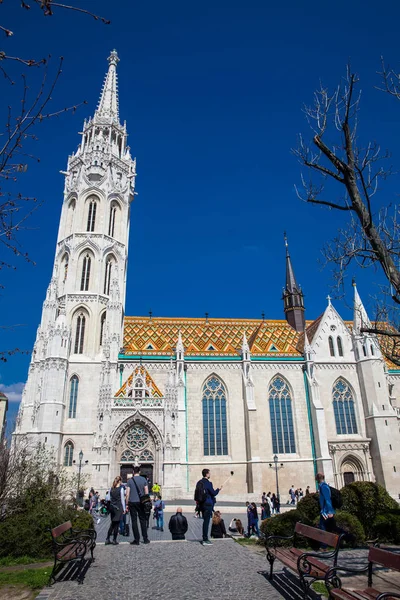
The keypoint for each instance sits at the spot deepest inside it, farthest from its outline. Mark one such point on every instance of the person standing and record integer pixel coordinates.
(327, 512)
(135, 489)
(253, 520)
(159, 513)
(263, 498)
(207, 506)
(292, 493)
(178, 525)
(307, 490)
(269, 502)
(156, 489)
(117, 508)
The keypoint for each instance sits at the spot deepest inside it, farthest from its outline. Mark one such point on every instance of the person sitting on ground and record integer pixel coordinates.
(178, 525)
(239, 527)
(232, 526)
(217, 526)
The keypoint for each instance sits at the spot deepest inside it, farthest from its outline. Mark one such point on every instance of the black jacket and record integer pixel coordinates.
(218, 531)
(178, 526)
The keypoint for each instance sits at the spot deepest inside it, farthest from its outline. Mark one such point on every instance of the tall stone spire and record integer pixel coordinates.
(360, 317)
(293, 297)
(108, 103)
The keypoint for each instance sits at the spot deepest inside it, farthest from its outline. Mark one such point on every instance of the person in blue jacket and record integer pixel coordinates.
(208, 504)
(327, 512)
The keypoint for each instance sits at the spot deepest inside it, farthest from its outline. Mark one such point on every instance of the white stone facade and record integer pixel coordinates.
(90, 389)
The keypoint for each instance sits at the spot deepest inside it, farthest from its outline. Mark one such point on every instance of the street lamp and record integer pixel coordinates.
(79, 474)
(276, 467)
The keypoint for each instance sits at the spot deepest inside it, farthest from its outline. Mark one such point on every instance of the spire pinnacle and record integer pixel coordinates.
(108, 103)
(291, 283)
(360, 318)
(292, 295)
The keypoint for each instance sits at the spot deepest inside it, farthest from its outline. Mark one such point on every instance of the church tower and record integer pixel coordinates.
(293, 297)
(80, 334)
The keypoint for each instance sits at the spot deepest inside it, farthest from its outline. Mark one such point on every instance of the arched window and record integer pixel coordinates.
(365, 350)
(331, 346)
(215, 434)
(343, 408)
(73, 397)
(70, 215)
(80, 333)
(112, 219)
(280, 407)
(64, 267)
(68, 454)
(91, 215)
(85, 273)
(339, 346)
(102, 325)
(107, 275)
(372, 350)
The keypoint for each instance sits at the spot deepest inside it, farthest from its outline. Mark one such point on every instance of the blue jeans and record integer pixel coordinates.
(160, 520)
(207, 512)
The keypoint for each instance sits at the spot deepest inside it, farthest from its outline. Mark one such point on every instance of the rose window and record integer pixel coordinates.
(137, 437)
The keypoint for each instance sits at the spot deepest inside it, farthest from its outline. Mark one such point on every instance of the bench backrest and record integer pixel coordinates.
(331, 539)
(61, 529)
(384, 557)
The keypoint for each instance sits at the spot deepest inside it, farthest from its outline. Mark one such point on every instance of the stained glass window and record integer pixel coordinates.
(343, 408)
(85, 273)
(102, 324)
(137, 437)
(91, 216)
(73, 397)
(280, 407)
(68, 454)
(80, 333)
(215, 434)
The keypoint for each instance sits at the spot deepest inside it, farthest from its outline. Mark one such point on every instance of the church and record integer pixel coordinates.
(176, 395)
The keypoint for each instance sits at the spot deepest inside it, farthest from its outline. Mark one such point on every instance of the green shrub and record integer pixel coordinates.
(309, 509)
(366, 500)
(387, 528)
(351, 524)
(282, 524)
(27, 533)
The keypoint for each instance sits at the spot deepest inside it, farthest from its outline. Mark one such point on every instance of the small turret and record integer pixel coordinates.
(293, 297)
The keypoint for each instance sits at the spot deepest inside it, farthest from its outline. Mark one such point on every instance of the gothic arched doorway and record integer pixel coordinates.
(352, 469)
(138, 443)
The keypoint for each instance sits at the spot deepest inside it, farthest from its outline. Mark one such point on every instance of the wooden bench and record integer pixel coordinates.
(310, 566)
(71, 545)
(387, 559)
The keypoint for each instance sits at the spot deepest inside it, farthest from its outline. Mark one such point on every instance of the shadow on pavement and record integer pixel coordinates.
(288, 585)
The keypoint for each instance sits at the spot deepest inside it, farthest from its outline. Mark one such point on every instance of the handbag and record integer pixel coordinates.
(145, 500)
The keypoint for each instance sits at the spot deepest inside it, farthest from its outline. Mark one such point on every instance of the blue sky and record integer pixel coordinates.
(212, 94)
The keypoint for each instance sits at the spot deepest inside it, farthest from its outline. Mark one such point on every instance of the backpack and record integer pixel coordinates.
(200, 493)
(336, 498)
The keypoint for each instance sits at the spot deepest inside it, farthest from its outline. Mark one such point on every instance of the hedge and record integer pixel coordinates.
(27, 533)
(366, 500)
(387, 528)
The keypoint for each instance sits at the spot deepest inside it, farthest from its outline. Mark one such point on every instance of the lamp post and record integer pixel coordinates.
(79, 474)
(276, 467)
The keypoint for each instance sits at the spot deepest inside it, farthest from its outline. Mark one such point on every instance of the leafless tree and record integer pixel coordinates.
(344, 173)
(18, 131)
(26, 469)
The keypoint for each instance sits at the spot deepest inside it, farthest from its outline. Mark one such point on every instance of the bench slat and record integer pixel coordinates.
(385, 558)
(57, 531)
(317, 534)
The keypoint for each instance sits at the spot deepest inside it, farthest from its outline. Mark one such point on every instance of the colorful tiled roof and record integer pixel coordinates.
(159, 336)
(156, 393)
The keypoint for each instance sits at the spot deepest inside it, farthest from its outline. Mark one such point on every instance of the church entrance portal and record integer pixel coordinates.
(145, 470)
(137, 446)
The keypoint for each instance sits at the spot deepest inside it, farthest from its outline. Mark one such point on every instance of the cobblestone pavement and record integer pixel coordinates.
(171, 571)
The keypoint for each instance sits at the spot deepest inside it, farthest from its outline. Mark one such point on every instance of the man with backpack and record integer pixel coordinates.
(205, 496)
(327, 512)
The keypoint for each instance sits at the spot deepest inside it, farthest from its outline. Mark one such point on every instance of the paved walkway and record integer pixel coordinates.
(170, 571)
